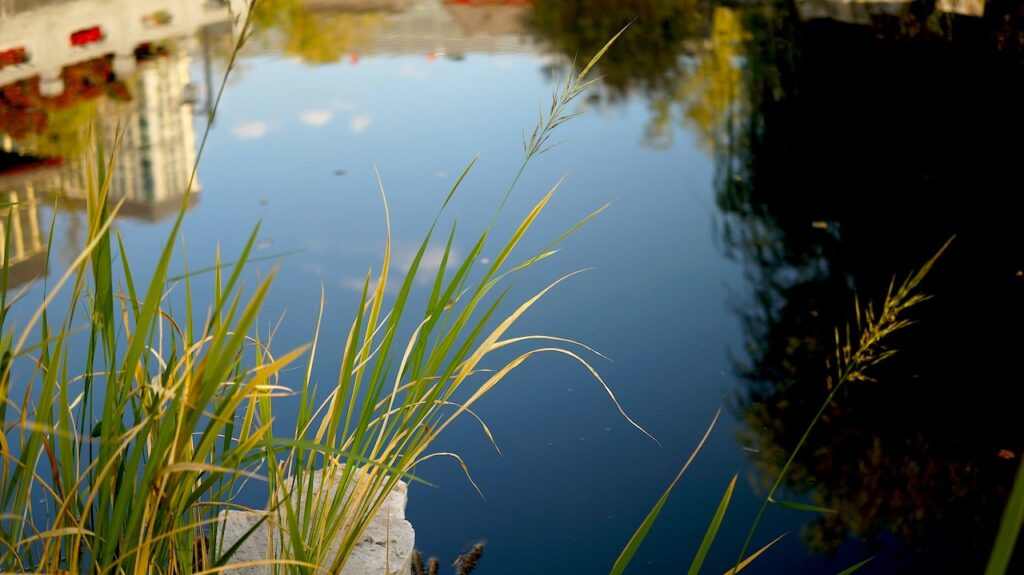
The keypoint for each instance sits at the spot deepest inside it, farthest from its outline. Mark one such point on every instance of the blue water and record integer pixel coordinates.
(573, 475)
(806, 156)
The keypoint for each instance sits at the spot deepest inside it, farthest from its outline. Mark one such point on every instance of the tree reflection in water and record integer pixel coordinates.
(866, 146)
(847, 150)
(647, 58)
(316, 36)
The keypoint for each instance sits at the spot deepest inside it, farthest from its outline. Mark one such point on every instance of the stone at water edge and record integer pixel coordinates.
(385, 548)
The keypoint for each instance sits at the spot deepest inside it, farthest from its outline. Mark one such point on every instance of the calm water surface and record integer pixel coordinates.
(764, 162)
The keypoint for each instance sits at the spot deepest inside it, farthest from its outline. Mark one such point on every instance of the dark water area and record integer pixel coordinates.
(767, 163)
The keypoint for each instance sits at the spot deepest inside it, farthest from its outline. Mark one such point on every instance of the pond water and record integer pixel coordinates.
(765, 162)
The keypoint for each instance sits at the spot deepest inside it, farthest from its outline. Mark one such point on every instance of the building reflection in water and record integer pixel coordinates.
(71, 68)
(325, 31)
(73, 74)
(23, 245)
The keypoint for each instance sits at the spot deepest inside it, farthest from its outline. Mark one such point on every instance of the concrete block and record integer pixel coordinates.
(385, 548)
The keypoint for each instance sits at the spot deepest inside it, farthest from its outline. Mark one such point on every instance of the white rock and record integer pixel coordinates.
(384, 549)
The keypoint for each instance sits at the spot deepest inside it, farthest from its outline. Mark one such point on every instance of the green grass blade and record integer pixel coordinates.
(796, 506)
(6, 264)
(129, 282)
(743, 564)
(855, 567)
(712, 532)
(226, 555)
(641, 533)
(458, 183)
(1009, 528)
(186, 273)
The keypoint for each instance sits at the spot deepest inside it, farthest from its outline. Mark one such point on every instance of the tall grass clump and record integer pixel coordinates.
(130, 432)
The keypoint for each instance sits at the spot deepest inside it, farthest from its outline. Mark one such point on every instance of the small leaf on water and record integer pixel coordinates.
(801, 506)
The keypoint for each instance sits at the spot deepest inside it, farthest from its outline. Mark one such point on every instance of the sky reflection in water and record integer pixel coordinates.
(762, 165)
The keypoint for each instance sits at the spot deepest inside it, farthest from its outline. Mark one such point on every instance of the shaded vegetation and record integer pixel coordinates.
(648, 58)
(318, 37)
(863, 145)
(57, 126)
